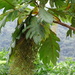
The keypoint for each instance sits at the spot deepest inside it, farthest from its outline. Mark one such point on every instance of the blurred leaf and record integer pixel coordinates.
(70, 32)
(43, 2)
(7, 4)
(52, 3)
(13, 15)
(73, 23)
(59, 3)
(3, 22)
(35, 10)
(58, 13)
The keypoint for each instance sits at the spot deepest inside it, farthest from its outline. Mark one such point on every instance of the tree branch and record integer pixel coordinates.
(65, 25)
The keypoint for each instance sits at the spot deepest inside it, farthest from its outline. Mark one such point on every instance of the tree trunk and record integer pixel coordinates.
(22, 58)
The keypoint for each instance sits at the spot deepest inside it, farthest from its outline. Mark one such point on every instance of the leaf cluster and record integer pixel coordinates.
(34, 21)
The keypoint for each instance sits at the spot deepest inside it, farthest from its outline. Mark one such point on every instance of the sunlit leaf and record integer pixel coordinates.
(44, 15)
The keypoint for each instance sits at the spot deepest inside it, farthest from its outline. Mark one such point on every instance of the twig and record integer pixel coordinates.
(63, 24)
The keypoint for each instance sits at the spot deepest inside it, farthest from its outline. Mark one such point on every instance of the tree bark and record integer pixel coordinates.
(22, 58)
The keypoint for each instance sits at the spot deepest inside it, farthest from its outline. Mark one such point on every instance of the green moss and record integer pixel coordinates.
(22, 59)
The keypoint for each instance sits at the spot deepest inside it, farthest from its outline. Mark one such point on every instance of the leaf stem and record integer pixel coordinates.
(65, 25)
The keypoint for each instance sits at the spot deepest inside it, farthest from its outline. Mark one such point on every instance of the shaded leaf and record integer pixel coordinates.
(35, 30)
(70, 32)
(59, 3)
(51, 2)
(17, 32)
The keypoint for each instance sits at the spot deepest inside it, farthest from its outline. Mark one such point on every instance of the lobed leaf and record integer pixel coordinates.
(49, 50)
(44, 15)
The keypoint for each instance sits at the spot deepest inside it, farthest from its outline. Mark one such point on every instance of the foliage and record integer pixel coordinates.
(4, 69)
(3, 54)
(3, 64)
(35, 23)
(66, 67)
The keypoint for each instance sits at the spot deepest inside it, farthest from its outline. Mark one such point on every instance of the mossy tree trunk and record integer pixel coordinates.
(22, 58)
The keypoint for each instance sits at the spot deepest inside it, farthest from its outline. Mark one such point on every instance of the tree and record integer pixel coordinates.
(33, 32)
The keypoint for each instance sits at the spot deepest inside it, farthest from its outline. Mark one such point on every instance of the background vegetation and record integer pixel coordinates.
(66, 67)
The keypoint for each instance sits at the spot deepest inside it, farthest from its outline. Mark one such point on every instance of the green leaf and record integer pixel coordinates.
(51, 2)
(73, 1)
(37, 39)
(73, 21)
(49, 50)
(59, 3)
(3, 22)
(32, 26)
(17, 32)
(43, 2)
(58, 13)
(70, 32)
(35, 30)
(13, 15)
(44, 15)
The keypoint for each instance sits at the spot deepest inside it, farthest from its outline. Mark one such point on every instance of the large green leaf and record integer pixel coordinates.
(49, 50)
(44, 15)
